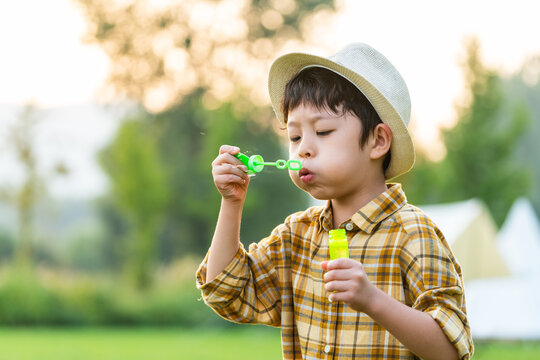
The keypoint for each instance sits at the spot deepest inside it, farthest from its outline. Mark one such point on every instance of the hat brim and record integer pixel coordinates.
(287, 66)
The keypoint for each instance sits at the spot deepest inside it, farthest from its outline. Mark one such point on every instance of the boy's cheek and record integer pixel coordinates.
(295, 179)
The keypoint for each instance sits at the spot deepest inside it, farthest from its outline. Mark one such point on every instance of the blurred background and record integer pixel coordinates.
(112, 111)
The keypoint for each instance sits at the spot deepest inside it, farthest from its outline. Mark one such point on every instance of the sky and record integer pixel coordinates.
(44, 61)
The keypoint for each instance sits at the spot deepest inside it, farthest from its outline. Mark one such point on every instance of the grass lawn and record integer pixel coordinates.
(138, 344)
(507, 350)
(238, 343)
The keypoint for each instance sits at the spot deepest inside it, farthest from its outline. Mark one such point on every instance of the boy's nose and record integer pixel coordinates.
(305, 150)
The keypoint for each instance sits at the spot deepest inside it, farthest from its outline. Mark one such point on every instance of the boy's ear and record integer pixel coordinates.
(381, 141)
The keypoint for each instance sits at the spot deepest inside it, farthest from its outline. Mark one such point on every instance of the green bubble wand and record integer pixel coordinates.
(255, 163)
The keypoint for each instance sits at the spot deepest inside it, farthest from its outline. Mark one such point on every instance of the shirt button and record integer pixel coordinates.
(349, 226)
(327, 349)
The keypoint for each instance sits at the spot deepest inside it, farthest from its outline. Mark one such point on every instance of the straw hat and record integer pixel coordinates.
(374, 76)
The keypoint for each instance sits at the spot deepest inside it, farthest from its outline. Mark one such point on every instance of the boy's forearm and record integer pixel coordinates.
(226, 240)
(416, 330)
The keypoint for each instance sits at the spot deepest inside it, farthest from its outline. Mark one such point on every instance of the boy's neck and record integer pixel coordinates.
(344, 208)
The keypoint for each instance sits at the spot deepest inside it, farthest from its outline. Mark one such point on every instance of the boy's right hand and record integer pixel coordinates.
(230, 174)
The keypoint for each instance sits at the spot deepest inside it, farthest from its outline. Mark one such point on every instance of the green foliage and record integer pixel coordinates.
(59, 298)
(139, 190)
(169, 60)
(187, 139)
(23, 301)
(25, 197)
(138, 177)
(115, 238)
(86, 252)
(480, 160)
(524, 89)
(190, 139)
(7, 245)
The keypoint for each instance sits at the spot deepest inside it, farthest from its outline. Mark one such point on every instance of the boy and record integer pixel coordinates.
(400, 294)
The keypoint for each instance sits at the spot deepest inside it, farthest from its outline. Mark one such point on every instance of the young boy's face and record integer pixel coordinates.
(334, 166)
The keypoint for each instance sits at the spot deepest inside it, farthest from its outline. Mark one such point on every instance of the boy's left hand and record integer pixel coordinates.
(347, 281)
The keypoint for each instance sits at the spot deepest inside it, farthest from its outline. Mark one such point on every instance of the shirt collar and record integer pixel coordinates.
(325, 218)
(380, 208)
(367, 218)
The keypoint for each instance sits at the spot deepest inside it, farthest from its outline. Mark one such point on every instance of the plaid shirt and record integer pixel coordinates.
(279, 282)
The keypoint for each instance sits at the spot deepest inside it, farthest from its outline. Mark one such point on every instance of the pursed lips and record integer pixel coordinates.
(305, 174)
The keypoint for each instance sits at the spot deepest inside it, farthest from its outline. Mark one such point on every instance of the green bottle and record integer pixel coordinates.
(338, 244)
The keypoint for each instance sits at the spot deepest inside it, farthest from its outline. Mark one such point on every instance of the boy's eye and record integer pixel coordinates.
(294, 138)
(324, 133)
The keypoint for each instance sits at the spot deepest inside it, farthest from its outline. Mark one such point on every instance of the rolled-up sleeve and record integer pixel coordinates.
(227, 285)
(248, 289)
(434, 285)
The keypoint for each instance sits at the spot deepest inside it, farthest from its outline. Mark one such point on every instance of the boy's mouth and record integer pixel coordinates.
(305, 175)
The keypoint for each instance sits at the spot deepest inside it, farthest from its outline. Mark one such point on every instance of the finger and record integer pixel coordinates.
(229, 149)
(324, 265)
(339, 274)
(227, 158)
(233, 169)
(341, 263)
(343, 296)
(337, 286)
(223, 180)
(224, 176)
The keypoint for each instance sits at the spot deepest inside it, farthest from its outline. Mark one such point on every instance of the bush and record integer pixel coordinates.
(51, 297)
(23, 301)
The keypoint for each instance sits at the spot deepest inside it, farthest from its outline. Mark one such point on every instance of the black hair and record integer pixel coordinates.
(325, 89)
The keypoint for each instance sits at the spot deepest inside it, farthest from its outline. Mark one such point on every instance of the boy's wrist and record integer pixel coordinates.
(239, 203)
(377, 303)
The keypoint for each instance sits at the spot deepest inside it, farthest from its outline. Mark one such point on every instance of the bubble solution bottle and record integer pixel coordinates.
(338, 244)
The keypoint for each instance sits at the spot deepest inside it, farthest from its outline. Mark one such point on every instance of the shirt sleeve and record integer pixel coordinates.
(248, 290)
(433, 282)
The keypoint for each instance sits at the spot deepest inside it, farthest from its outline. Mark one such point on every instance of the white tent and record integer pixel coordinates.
(509, 307)
(471, 232)
(504, 308)
(519, 240)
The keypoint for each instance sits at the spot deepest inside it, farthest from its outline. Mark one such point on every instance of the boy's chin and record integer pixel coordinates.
(320, 197)
(317, 195)
(316, 192)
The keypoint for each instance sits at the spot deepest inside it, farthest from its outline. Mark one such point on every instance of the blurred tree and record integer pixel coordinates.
(162, 51)
(139, 189)
(25, 197)
(113, 250)
(193, 201)
(524, 88)
(481, 148)
(200, 66)
(6, 245)
(191, 137)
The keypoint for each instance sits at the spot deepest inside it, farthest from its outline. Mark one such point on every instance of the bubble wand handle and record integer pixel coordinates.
(256, 163)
